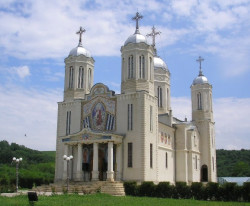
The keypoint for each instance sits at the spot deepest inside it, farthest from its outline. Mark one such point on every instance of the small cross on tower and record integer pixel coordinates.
(200, 59)
(153, 35)
(137, 18)
(80, 32)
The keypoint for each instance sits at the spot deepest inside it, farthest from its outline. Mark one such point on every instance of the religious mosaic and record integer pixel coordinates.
(98, 116)
(165, 138)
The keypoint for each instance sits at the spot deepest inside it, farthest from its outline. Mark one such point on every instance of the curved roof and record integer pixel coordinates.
(159, 63)
(136, 38)
(79, 50)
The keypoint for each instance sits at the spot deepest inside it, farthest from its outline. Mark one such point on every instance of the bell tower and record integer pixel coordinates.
(202, 116)
(79, 71)
(137, 63)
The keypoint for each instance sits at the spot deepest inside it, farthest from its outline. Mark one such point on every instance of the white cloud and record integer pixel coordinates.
(30, 112)
(22, 71)
(231, 117)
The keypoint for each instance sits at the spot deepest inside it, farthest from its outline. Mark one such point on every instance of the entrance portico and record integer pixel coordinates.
(98, 156)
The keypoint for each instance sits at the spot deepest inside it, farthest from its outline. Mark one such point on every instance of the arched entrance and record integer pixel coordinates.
(204, 173)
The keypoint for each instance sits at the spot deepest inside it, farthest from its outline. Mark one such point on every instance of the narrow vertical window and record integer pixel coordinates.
(159, 92)
(166, 160)
(130, 116)
(89, 78)
(199, 101)
(196, 162)
(80, 77)
(151, 155)
(213, 162)
(71, 77)
(150, 68)
(68, 122)
(141, 67)
(130, 154)
(151, 118)
(130, 67)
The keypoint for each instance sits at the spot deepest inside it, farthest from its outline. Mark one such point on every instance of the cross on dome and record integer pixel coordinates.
(200, 59)
(137, 17)
(153, 35)
(80, 32)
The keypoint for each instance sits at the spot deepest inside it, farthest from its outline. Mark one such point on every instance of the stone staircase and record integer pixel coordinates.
(112, 188)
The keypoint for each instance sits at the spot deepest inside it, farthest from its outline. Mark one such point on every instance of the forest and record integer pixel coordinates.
(38, 167)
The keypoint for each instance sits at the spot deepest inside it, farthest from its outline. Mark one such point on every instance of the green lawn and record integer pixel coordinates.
(102, 199)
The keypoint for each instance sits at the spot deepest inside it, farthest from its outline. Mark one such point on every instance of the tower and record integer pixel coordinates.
(79, 71)
(137, 63)
(202, 116)
(161, 78)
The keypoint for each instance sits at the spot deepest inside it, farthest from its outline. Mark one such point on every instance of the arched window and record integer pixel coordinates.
(166, 160)
(150, 68)
(89, 78)
(196, 162)
(141, 67)
(199, 101)
(80, 77)
(204, 173)
(130, 67)
(159, 94)
(71, 77)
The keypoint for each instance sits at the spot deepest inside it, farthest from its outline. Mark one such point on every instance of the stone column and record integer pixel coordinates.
(95, 172)
(66, 150)
(119, 162)
(79, 163)
(110, 172)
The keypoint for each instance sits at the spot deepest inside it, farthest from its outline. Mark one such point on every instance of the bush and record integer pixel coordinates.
(163, 189)
(197, 190)
(246, 191)
(147, 189)
(182, 191)
(228, 192)
(212, 190)
(130, 188)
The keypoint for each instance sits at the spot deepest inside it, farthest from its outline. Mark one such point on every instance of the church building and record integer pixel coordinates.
(132, 135)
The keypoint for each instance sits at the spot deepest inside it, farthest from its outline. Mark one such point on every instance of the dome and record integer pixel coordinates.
(200, 80)
(136, 38)
(79, 50)
(159, 63)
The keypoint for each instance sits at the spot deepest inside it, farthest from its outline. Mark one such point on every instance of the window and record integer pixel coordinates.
(151, 118)
(151, 155)
(130, 154)
(213, 162)
(130, 67)
(199, 101)
(159, 94)
(71, 77)
(130, 116)
(141, 67)
(196, 162)
(89, 78)
(68, 122)
(80, 77)
(166, 160)
(150, 71)
(110, 122)
(86, 122)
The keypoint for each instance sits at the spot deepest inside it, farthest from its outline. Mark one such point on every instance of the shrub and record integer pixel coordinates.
(212, 190)
(130, 188)
(197, 190)
(163, 189)
(147, 189)
(182, 190)
(228, 191)
(246, 191)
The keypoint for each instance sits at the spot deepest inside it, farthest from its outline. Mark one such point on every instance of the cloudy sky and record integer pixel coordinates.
(36, 36)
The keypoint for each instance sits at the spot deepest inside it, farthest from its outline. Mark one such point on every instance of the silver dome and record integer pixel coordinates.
(200, 80)
(136, 38)
(159, 63)
(79, 50)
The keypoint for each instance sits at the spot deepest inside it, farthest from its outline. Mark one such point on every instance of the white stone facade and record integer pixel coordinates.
(132, 135)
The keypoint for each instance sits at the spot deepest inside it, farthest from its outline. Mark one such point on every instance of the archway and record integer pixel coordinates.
(204, 173)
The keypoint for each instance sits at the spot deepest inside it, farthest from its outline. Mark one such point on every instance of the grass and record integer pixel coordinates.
(107, 200)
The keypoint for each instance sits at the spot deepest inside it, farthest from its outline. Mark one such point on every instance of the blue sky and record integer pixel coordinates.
(36, 36)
